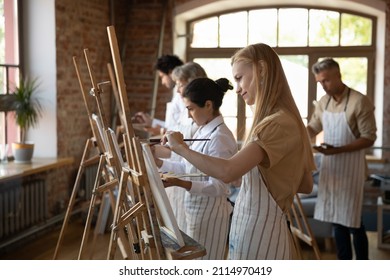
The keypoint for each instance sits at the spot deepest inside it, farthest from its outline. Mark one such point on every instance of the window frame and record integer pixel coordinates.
(9, 128)
(313, 53)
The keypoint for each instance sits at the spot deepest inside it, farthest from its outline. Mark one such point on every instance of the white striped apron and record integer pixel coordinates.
(207, 217)
(342, 176)
(208, 223)
(176, 199)
(259, 227)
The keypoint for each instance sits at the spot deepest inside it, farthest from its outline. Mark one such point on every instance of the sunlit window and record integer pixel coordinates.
(9, 69)
(324, 28)
(233, 35)
(263, 25)
(355, 30)
(301, 36)
(296, 69)
(292, 27)
(205, 33)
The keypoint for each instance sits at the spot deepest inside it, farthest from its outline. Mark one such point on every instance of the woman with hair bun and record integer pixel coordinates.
(207, 209)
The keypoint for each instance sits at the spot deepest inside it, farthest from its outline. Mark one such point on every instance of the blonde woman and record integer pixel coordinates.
(275, 163)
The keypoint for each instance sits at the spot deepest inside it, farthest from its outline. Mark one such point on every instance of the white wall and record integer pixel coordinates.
(40, 62)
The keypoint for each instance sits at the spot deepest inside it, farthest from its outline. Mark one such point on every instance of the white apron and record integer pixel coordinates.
(207, 217)
(259, 227)
(342, 176)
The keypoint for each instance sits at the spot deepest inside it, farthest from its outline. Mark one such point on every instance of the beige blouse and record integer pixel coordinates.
(283, 172)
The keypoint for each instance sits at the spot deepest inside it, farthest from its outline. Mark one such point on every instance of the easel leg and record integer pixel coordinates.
(72, 199)
(117, 214)
(91, 208)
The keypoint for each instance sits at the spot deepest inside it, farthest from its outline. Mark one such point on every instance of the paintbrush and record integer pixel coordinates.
(158, 140)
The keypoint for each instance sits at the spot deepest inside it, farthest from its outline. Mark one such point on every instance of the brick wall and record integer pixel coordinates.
(83, 25)
(141, 51)
(79, 25)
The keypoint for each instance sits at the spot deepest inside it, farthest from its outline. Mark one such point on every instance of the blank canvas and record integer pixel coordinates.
(160, 196)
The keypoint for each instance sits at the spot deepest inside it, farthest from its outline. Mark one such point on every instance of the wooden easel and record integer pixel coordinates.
(92, 155)
(109, 167)
(143, 216)
(136, 224)
(120, 127)
(110, 163)
(301, 229)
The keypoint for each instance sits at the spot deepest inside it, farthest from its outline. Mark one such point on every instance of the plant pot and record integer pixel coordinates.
(22, 152)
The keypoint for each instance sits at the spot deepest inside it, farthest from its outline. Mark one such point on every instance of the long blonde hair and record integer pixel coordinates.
(272, 91)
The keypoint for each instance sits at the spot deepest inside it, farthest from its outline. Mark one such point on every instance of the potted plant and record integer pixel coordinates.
(27, 110)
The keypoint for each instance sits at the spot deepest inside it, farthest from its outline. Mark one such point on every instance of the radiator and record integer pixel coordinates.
(22, 205)
(88, 181)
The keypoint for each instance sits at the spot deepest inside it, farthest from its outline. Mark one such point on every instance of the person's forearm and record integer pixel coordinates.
(185, 185)
(358, 144)
(226, 170)
(212, 166)
(162, 152)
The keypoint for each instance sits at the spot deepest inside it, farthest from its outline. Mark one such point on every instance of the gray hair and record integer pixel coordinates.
(188, 72)
(325, 64)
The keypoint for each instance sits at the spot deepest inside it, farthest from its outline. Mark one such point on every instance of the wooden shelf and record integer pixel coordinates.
(11, 170)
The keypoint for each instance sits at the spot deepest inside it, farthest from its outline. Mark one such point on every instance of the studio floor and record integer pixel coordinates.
(42, 247)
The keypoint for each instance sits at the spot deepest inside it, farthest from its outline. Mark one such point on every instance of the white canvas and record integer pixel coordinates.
(160, 196)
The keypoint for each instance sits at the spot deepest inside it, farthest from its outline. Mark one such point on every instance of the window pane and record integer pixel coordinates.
(355, 30)
(353, 73)
(205, 33)
(233, 30)
(263, 26)
(323, 28)
(2, 32)
(9, 56)
(296, 70)
(293, 27)
(220, 68)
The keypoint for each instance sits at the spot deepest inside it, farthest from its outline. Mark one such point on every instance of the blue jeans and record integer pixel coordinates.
(342, 236)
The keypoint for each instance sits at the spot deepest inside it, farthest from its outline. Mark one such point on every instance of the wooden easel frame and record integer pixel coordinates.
(92, 155)
(301, 229)
(103, 158)
(112, 159)
(144, 212)
(137, 221)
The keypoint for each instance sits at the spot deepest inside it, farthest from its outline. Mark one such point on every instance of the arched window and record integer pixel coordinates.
(300, 35)
(9, 67)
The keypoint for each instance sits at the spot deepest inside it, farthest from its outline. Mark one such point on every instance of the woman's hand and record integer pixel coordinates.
(174, 140)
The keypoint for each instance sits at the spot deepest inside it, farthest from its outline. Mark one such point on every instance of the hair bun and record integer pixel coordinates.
(224, 84)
